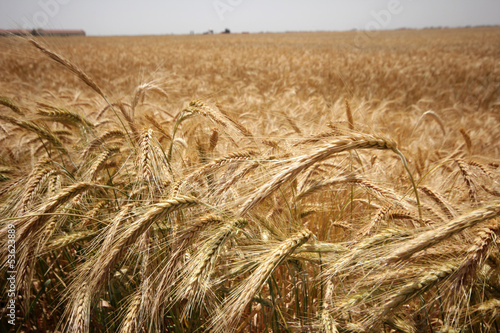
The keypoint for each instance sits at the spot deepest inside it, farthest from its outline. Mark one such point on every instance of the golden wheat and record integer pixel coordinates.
(239, 183)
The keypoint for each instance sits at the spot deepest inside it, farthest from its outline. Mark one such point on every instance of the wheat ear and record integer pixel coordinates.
(73, 68)
(214, 138)
(100, 141)
(40, 129)
(434, 116)
(476, 255)
(137, 228)
(140, 93)
(236, 123)
(381, 214)
(66, 240)
(413, 289)
(487, 310)
(199, 107)
(52, 203)
(130, 322)
(235, 307)
(111, 251)
(464, 170)
(291, 123)
(440, 201)
(158, 126)
(305, 161)
(99, 163)
(230, 158)
(79, 315)
(467, 139)
(168, 273)
(144, 155)
(435, 236)
(63, 115)
(195, 280)
(130, 122)
(11, 105)
(29, 227)
(483, 168)
(33, 187)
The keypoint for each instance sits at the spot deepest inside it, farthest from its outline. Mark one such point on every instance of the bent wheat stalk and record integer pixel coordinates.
(115, 250)
(413, 289)
(435, 236)
(195, 281)
(73, 68)
(242, 296)
(305, 161)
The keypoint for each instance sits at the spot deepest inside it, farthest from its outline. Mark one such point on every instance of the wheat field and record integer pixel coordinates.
(300, 182)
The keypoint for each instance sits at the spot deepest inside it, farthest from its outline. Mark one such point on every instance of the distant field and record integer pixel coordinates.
(301, 182)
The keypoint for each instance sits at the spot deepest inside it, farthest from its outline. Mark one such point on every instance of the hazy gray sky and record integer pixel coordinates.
(133, 17)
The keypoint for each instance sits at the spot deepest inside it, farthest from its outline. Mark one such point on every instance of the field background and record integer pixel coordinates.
(256, 182)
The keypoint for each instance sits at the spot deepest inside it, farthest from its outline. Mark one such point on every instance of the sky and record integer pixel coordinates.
(155, 17)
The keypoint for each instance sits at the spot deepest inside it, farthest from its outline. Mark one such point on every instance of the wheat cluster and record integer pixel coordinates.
(253, 183)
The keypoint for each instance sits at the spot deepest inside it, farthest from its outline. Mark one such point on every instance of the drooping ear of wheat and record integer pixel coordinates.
(11, 105)
(70, 66)
(63, 115)
(434, 236)
(195, 285)
(236, 303)
(305, 161)
(115, 249)
(167, 276)
(435, 117)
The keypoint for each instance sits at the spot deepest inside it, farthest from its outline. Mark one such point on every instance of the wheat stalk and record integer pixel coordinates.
(236, 304)
(100, 141)
(144, 155)
(130, 322)
(305, 161)
(230, 158)
(195, 280)
(63, 115)
(440, 201)
(413, 289)
(11, 105)
(468, 180)
(432, 237)
(70, 66)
